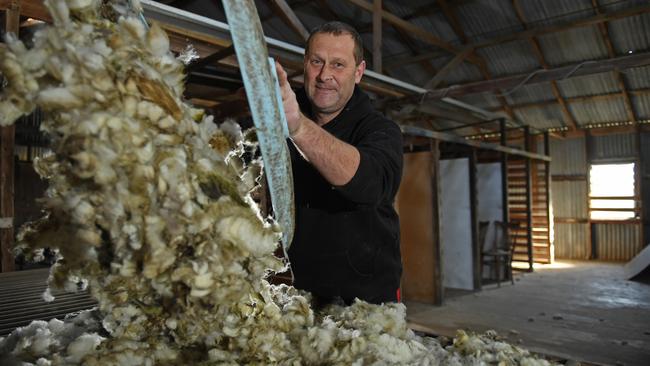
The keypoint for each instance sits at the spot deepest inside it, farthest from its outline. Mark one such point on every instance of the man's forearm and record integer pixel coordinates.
(334, 159)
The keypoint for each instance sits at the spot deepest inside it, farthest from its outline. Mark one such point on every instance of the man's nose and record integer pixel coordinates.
(324, 74)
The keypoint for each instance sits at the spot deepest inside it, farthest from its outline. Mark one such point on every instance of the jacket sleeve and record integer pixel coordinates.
(380, 169)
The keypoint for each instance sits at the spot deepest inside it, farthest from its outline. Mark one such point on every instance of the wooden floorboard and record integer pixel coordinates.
(21, 299)
(583, 311)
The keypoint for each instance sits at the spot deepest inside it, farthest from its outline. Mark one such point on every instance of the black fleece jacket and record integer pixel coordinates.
(346, 242)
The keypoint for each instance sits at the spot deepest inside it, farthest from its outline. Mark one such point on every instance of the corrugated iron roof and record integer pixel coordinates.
(542, 117)
(641, 106)
(590, 112)
(482, 20)
(637, 78)
(481, 100)
(595, 84)
(531, 93)
(509, 58)
(625, 34)
(573, 46)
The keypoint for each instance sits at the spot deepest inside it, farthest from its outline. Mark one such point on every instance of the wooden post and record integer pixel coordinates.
(593, 248)
(7, 136)
(547, 177)
(439, 289)
(504, 172)
(473, 205)
(376, 36)
(529, 203)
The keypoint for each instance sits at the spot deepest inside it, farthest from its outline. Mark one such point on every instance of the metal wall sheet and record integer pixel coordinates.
(613, 147)
(569, 156)
(571, 241)
(570, 199)
(617, 242)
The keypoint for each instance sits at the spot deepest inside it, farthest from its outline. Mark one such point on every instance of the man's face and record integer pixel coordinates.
(331, 73)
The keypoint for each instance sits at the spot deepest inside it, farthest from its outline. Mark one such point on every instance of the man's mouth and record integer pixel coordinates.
(325, 88)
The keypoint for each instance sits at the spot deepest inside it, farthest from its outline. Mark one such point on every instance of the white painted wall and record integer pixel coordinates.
(455, 221)
(490, 204)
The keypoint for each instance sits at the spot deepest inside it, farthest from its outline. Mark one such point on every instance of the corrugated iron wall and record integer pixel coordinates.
(611, 148)
(613, 241)
(570, 171)
(645, 186)
(569, 183)
(569, 156)
(617, 242)
(572, 241)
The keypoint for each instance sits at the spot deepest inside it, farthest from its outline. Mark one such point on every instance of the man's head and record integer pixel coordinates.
(333, 65)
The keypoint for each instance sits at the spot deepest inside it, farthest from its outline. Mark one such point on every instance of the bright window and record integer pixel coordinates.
(611, 192)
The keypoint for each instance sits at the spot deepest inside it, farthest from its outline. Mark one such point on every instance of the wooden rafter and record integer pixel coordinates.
(33, 9)
(453, 20)
(439, 77)
(610, 49)
(7, 142)
(405, 60)
(507, 82)
(283, 10)
(569, 119)
(376, 36)
(412, 29)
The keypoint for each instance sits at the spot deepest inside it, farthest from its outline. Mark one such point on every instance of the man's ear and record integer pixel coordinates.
(358, 73)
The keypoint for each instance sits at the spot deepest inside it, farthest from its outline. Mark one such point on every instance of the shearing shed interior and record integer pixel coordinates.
(524, 200)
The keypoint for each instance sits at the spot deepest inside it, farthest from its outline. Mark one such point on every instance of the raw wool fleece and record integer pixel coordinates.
(149, 204)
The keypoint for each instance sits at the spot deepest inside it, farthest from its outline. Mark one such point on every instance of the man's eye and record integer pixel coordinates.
(315, 62)
(338, 65)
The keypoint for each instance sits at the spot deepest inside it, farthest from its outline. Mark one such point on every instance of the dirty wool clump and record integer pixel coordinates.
(149, 207)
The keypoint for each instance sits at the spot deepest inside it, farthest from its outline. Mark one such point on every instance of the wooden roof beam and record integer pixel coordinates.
(29, 8)
(412, 29)
(283, 10)
(376, 36)
(559, 73)
(482, 66)
(568, 117)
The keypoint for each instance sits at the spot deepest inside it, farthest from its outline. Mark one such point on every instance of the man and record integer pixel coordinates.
(347, 165)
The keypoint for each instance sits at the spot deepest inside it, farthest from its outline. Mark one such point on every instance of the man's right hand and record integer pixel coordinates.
(291, 108)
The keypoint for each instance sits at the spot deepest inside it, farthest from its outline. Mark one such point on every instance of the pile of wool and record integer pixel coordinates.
(148, 204)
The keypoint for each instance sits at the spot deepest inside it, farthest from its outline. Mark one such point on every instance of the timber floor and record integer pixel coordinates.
(21, 299)
(581, 311)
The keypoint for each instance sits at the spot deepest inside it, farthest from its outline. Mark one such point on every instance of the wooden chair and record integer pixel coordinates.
(500, 255)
